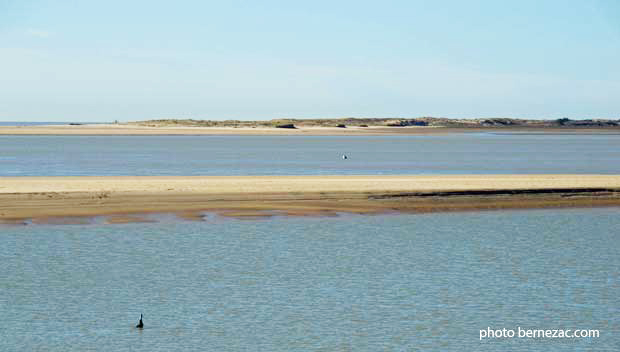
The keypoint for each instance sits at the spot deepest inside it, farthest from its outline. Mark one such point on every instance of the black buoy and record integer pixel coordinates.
(140, 324)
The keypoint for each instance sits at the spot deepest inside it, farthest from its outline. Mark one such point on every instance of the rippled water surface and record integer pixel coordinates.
(308, 155)
(361, 283)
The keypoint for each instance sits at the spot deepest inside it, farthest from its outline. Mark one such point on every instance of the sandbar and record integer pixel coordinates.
(137, 130)
(263, 196)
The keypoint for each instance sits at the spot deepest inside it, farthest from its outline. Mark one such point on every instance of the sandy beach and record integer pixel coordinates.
(112, 129)
(41, 198)
(123, 129)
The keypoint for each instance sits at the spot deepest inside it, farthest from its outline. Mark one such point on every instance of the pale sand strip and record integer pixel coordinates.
(251, 196)
(298, 184)
(111, 129)
(146, 130)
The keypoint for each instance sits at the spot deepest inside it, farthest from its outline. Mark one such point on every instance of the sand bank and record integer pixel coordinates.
(120, 129)
(253, 196)
(145, 130)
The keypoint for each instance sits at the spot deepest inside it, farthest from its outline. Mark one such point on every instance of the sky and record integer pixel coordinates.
(135, 60)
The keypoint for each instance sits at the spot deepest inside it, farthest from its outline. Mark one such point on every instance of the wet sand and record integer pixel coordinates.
(121, 129)
(124, 198)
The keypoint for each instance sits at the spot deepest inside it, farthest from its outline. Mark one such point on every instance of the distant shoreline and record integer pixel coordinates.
(138, 130)
(356, 122)
(320, 127)
(47, 199)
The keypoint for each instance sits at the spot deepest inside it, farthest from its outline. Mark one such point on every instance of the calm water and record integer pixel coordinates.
(361, 283)
(308, 155)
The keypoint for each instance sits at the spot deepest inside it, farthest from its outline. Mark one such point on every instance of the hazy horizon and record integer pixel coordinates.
(106, 61)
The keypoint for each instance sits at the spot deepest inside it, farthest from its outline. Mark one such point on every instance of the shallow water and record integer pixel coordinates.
(361, 283)
(474, 153)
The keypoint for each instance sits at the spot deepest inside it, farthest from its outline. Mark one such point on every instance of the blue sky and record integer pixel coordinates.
(135, 60)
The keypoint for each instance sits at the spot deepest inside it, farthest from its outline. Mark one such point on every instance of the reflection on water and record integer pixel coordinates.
(308, 155)
(362, 283)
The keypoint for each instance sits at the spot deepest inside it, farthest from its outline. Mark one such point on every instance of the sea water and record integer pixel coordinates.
(471, 153)
(349, 283)
(426, 282)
